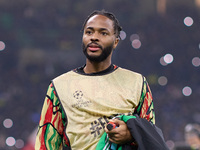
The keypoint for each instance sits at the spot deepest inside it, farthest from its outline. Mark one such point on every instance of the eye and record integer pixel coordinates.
(104, 33)
(88, 32)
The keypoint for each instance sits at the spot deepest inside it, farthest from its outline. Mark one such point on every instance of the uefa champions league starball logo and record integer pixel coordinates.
(80, 101)
(78, 94)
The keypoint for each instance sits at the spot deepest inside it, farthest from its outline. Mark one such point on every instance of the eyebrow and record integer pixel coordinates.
(100, 29)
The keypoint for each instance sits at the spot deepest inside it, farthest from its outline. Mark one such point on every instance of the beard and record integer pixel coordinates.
(105, 53)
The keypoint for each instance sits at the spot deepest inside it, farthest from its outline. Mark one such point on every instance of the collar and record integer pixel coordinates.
(110, 69)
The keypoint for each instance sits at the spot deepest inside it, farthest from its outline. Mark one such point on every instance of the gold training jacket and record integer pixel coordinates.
(78, 106)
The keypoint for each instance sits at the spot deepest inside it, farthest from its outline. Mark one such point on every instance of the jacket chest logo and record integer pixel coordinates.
(78, 95)
(80, 102)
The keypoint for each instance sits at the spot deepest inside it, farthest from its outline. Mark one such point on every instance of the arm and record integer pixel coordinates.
(52, 124)
(142, 129)
(144, 109)
(145, 134)
(121, 134)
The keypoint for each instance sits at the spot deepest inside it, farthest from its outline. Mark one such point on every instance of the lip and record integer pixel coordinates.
(94, 47)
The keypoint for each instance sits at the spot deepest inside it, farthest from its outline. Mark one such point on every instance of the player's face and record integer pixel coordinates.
(193, 140)
(99, 38)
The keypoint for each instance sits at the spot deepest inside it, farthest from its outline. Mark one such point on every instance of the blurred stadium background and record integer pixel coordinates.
(40, 40)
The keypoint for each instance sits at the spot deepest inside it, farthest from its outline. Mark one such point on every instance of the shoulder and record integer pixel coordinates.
(65, 76)
(128, 73)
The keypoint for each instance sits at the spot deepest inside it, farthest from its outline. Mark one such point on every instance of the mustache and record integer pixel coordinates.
(94, 43)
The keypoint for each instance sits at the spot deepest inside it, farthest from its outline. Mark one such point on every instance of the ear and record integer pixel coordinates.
(116, 42)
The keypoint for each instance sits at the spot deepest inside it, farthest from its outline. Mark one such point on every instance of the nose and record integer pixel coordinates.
(95, 37)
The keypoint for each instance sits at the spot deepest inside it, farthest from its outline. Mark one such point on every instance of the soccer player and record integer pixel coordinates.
(192, 135)
(80, 103)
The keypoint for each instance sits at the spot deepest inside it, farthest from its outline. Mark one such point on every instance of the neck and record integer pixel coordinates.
(93, 67)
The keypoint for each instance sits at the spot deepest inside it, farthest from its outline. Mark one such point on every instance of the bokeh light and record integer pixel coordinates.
(187, 91)
(10, 141)
(136, 44)
(170, 144)
(168, 58)
(188, 21)
(19, 143)
(123, 35)
(196, 61)
(162, 62)
(162, 80)
(2, 45)
(134, 37)
(8, 123)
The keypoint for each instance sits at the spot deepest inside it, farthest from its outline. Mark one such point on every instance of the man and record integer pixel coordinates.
(79, 103)
(192, 136)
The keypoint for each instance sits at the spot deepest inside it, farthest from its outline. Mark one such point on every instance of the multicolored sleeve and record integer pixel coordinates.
(145, 108)
(51, 131)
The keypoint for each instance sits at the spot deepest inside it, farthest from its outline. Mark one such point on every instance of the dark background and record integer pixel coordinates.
(43, 40)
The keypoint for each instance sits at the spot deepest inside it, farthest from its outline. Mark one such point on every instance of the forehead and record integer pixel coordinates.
(99, 21)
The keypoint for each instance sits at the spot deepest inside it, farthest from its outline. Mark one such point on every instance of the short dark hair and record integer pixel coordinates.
(117, 27)
(193, 129)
